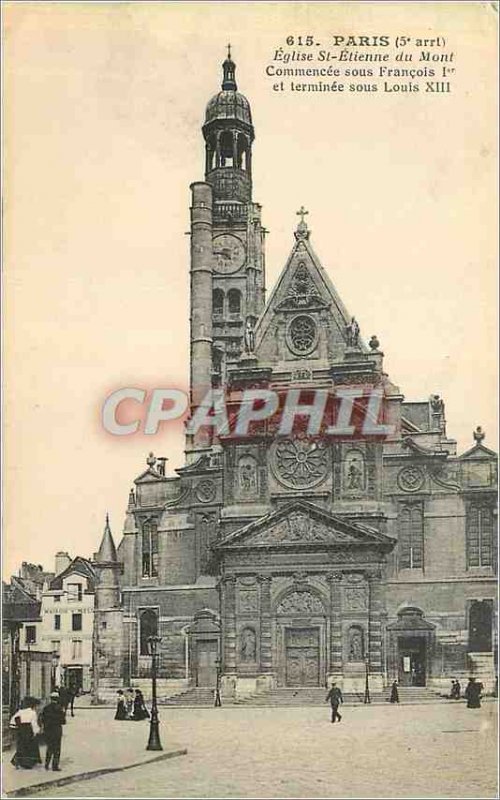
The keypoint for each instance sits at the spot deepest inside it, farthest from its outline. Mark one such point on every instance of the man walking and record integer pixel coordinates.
(335, 698)
(52, 720)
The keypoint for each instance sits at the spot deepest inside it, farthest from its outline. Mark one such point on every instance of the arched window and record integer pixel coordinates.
(480, 531)
(148, 626)
(411, 537)
(218, 302)
(150, 549)
(234, 301)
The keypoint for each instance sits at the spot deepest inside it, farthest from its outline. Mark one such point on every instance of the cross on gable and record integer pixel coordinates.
(302, 213)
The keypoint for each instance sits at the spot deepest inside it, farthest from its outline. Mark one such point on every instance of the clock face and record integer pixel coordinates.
(229, 253)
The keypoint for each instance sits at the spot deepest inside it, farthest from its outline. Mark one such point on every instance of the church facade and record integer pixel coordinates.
(295, 559)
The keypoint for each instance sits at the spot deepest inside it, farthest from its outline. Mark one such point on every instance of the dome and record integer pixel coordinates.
(229, 104)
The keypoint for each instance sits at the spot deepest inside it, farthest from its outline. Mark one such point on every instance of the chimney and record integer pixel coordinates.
(62, 561)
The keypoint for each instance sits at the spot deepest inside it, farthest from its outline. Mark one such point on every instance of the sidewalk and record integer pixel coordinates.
(93, 743)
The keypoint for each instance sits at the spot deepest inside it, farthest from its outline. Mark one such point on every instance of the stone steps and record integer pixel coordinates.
(290, 696)
(199, 696)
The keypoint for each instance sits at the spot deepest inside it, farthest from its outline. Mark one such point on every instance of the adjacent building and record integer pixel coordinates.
(67, 614)
(295, 560)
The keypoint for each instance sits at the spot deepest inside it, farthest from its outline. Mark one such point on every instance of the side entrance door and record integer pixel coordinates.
(302, 656)
(205, 662)
(412, 661)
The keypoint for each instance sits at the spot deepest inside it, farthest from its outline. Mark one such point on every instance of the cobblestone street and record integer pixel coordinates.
(439, 750)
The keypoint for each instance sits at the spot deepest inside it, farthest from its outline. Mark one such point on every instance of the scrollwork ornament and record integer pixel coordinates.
(411, 479)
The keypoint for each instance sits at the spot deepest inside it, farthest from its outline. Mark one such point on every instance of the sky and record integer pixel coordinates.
(103, 107)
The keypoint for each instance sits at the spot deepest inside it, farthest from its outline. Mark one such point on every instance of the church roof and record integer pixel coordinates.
(229, 104)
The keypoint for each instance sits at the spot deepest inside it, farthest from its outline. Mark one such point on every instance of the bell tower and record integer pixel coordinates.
(227, 240)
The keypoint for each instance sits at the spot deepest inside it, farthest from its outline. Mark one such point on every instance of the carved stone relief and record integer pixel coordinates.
(206, 491)
(355, 593)
(411, 478)
(247, 600)
(248, 482)
(301, 603)
(354, 473)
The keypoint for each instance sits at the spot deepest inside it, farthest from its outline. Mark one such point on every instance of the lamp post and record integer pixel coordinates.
(367, 686)
(28, 668)
(154, 742)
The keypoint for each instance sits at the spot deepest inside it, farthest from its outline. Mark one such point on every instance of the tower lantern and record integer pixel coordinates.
(228, 132)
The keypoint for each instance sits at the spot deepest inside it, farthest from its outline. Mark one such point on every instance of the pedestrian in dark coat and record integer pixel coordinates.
(25, 723)
(473, 693)
(121, 706)
(394, 698)
(335, 698)
(140, 710)
(129, 703)
(52, 720)
(458, 690)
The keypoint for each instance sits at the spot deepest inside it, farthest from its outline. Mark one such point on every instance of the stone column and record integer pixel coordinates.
(376, 609)
(266, 655)
(229, 623)
(335, 650)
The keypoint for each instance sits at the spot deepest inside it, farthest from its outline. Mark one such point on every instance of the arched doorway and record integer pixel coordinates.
(411, 639)
(204, 635)
(301, 634)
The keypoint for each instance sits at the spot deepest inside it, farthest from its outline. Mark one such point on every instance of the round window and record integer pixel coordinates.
(302, 334)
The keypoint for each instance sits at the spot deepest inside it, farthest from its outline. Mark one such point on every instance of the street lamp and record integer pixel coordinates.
(367, 686)
(154, 727)
(28, 667)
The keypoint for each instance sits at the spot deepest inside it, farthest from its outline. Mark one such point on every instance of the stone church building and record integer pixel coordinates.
(295, 560)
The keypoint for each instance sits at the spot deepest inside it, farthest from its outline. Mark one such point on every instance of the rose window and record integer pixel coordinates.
(302, 334)
(300, 463)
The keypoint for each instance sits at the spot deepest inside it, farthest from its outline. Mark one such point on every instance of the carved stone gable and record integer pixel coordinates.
(297, 528)
(302, 291)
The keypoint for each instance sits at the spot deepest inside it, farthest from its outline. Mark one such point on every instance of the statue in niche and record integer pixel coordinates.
(356, 645)
(352, 333)
(247, 474)
(248, 645)
(249, 336)
(354, 471)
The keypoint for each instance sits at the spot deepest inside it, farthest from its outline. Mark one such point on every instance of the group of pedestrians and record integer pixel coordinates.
(131, 705)
(473, 694)
(30, 725)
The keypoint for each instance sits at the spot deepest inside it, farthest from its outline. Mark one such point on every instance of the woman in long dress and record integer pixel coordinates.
(140, 710)
(394, 693)
(25, 723)
(121, 706)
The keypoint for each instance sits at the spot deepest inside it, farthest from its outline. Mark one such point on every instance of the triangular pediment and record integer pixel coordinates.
(304, 288)
(149, 476)
(478, 453)
(302, 523)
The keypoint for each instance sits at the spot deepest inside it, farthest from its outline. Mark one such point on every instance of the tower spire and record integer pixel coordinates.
(107, 550)
(229, 69)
